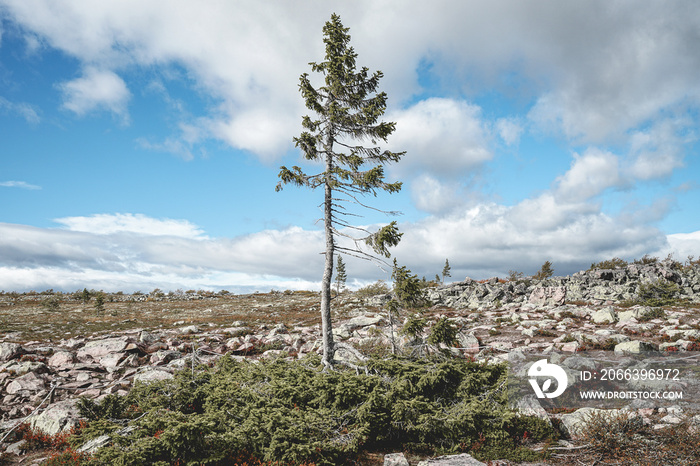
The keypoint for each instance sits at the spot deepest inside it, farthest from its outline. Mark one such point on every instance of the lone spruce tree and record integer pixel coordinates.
(347, 111)
(341, 276)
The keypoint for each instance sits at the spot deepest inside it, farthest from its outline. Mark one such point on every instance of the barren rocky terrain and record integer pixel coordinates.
(57, 347)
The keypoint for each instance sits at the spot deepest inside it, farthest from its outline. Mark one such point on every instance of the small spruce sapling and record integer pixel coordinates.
(545, 272)
(341, 276)
(443, 332)
(100, 302)
(446, 270)
(407, 286)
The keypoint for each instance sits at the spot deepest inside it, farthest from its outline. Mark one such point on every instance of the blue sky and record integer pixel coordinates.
(141, 141)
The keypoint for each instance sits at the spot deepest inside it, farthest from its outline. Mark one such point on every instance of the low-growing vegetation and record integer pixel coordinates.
(294, 413)
(624, 438)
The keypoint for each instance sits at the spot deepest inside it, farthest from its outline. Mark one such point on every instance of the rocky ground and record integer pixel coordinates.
(55, 348)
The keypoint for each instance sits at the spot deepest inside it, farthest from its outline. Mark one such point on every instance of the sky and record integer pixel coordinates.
(141, 141)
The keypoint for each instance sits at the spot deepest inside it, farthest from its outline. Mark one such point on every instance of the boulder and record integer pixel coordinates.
(395, 459)
(572, 424)
(468, 342)
(61, 359)
(100, 348)
(548, 296)
(28, 382)
(10, 351)
(606, 315)
(151, 374)
(635, 347)
(360, 321)
(60, 416)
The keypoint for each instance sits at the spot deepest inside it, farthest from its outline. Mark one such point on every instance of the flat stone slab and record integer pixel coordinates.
(152, 375)
(453, 460)
(101, 348)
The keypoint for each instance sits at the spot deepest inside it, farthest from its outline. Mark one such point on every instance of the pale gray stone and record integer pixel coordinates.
(452, 460)
(529, 406)
(19, 448)
(634, 346)
(395, 459)
(57, 417)
(100, 348)
(361, 321)
(151, 375)
(468, 342)
(29, 382)
(188, 330)
(550, 296)
(61, 358)
(9, 351)
(91, 446)
(604, 316)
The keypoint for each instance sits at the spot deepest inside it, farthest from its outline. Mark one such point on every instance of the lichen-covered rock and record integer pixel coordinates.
(463, 459)
(635, 347)
(57, 417)
(9, 351)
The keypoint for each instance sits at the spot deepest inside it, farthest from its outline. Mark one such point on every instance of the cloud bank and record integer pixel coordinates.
(124, 252)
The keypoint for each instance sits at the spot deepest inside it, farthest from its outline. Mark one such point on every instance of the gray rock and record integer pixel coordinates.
(57, 417)
(468, 342)
(29, 382)
(395, 459)
(100, 348)
(190, 329)
(452, 460)
(10, 351)
(604, 316)
(529, 406)
(147, 338)
(19, 448)
(91, 446)
(151, 374)
(549, 296)
(61, 358)
(634, 346)
(361, 321)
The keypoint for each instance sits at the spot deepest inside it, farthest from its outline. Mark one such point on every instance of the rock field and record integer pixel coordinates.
(75, 351)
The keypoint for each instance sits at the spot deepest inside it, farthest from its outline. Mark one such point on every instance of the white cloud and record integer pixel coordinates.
(657, 151)
(105, 224)
(490, 239)
(590, 174)
(96, 90)
(138, 253)
(446, 137)
(19, 184)
(684, 245)
(431, 195)
(595, 71)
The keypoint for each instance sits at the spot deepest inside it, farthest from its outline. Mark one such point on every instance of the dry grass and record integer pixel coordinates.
(26, 317)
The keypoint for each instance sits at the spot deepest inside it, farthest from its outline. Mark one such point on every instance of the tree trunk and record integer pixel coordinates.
(326, 328)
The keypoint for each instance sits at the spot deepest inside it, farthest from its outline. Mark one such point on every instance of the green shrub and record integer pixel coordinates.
(407, 286)
(374, 289)
(413, 327)
(653, 313)
(646, 260)
(658, 293)
(51, 304)
(614, 263)
(443, 332)
(293, 412)
(545, 271)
